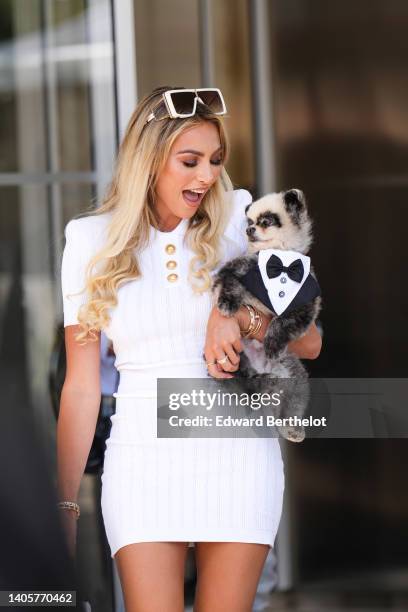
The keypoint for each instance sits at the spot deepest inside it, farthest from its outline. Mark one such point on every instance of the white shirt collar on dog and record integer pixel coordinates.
(281, 289)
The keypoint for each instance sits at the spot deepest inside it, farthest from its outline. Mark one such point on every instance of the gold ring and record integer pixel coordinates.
(208, 363)
(223, 360)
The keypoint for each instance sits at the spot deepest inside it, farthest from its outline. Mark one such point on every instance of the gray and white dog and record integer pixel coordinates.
(276, 277)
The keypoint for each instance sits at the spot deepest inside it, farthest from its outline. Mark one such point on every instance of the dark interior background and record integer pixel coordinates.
(341, 116)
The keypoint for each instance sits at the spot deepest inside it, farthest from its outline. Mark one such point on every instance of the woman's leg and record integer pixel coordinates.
(152, 576)
(227, 575)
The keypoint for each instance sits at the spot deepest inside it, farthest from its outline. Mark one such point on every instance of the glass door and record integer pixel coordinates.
(58, 140)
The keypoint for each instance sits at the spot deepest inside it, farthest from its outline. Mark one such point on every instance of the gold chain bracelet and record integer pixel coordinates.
(255, 322)
(68, 505)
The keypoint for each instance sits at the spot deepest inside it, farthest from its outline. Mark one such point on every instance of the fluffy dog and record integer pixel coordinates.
(277, 278)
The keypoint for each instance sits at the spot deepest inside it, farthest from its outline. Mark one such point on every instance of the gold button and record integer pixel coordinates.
(172, 277)
(171, 265)
(170, 249)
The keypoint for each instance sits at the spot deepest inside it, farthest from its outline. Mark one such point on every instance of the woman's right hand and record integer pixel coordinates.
(223, 342)
(69, 524)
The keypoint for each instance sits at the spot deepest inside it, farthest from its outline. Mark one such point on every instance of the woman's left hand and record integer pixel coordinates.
(223, 339)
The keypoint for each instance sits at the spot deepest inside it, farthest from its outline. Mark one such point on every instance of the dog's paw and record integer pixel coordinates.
(271, 348)
(224, 309)
(227, 306)
(293, 434)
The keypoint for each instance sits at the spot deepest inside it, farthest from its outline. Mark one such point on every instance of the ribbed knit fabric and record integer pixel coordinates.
(158, 489)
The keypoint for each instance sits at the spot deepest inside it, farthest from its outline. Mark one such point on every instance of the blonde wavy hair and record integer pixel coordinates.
(130, 199)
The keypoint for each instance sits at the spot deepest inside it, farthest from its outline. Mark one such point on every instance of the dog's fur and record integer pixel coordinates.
(278, 221)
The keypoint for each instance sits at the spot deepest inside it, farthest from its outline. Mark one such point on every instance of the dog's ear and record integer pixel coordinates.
(295, 203)
(294, 200)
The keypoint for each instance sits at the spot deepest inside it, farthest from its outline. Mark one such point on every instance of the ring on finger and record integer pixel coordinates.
(210, 363)
(223, 360)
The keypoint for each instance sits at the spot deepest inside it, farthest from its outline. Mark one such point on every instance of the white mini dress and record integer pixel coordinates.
(171, 489)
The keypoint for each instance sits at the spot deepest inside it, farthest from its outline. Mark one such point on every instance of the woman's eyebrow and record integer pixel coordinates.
(194, 152)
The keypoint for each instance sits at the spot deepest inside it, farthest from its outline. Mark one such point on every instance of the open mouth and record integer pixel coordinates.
(192, 197)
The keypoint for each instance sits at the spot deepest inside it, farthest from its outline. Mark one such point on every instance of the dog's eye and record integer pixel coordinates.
(269, 220)
(250, 222)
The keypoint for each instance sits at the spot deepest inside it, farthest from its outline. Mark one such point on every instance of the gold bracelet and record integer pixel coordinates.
(246, 332)
(258, 325)
(255, 322)
(68, 505)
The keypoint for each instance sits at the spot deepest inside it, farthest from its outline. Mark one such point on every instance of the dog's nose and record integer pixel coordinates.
(250, 230)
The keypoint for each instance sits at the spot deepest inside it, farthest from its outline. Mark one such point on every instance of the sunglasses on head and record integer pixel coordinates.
(182, 103)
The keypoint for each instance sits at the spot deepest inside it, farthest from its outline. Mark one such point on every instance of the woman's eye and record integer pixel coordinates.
(192, 164)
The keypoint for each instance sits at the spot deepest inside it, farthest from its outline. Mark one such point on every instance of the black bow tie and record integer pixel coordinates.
(274, 268)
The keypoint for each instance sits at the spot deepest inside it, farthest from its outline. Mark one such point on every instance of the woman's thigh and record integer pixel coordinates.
(152, 576)
(227, 575)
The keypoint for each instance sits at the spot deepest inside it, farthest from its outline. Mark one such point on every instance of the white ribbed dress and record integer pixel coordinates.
(179, 489)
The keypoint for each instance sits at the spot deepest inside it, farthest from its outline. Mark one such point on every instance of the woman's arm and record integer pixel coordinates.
(224, 338)
(79, 408)
(306, 347)
(309, 345)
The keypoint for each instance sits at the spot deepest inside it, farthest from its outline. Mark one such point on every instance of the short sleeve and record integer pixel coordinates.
(74, 260)
(236, 228)
(242, 198)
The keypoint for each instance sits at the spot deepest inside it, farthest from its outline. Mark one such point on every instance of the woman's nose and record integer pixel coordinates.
(205, 174)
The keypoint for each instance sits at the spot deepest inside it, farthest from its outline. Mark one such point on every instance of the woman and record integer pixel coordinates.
(147, 256)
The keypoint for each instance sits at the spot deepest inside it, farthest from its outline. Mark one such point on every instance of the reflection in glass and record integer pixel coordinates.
(72, 68)
(56, 77)
(232, 72)
(167, 44)
(22, 131)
